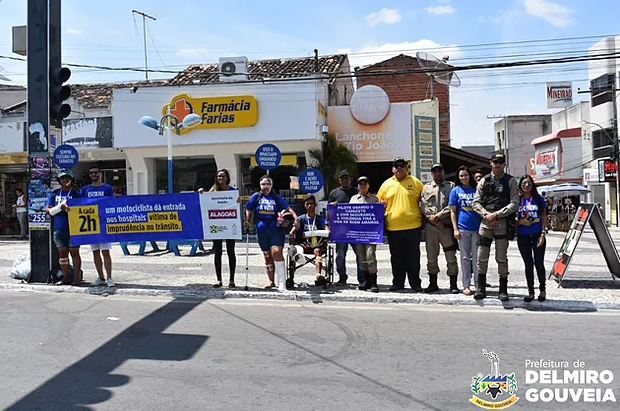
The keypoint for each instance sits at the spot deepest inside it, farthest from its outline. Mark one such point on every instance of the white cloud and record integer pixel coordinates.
(73, 32)
(384, 16)
(554, 13)
(375, 53)
(446, 9)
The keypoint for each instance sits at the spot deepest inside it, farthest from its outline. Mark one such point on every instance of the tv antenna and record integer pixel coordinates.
(438, 70)
(146, 57)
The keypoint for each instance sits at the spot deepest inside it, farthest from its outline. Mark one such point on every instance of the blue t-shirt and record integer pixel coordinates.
(528, 208)
(90, 191)
(61, 220)
(266, 210)
(463, 199)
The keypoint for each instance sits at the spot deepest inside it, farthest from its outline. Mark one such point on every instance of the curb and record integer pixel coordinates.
(305, 296)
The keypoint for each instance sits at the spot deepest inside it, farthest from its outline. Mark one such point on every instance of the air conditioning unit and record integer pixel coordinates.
(233, 69)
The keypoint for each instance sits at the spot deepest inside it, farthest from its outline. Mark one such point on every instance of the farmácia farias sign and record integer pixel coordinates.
(216, 112)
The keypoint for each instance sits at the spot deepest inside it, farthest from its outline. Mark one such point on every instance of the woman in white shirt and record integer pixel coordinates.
(21, 209)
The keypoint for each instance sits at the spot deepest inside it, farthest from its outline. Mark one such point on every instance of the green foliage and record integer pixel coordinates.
(512, 383)
(332, 159)
(475, 384)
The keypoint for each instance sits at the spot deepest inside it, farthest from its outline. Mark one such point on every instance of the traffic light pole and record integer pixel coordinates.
(39, 161)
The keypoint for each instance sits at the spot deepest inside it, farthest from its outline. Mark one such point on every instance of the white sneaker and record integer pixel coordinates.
(98, 282)
(111, 282)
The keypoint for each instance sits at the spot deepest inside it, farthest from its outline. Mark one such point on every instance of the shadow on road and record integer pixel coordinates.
(87, 381)
(395, 392)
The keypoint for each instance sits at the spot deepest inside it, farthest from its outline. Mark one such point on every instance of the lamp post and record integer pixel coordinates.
(616, 156)
(191, 120)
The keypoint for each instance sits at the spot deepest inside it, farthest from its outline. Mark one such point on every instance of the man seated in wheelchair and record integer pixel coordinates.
(310, 236)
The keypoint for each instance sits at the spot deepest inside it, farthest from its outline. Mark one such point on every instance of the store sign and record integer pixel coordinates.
(546, 161)
(559, 94)
(216, 112)
(373, 131)
(88, 133)
(607, 171)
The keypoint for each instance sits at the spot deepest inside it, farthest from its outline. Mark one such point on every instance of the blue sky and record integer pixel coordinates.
(187, 31)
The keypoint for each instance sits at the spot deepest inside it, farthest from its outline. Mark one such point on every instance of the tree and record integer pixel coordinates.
(333, 158)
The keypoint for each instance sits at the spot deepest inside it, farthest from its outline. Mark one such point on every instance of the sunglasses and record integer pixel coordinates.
(93, 172)
(499, 162)
(400, 166)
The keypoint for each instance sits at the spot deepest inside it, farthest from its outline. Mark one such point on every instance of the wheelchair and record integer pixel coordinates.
(297, 257)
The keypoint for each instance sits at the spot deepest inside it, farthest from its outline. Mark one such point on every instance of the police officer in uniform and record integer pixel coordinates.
(439, 231)
(497, 201)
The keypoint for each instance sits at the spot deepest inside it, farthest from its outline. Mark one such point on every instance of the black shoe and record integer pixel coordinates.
(503, 289)
(529, 298)
(488, 285)
(217, 285)
(542, 296)
(454, 288)
(373, 283)
(365, 285)
(418, 289)
(341, 282)
(320, 281)
(395, 288)
(231, 284)
(432, 284)
(481, 291)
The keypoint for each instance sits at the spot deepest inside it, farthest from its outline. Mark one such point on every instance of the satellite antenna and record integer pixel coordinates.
(438, 70)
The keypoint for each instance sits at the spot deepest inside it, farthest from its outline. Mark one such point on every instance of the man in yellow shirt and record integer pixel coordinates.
(403, 222)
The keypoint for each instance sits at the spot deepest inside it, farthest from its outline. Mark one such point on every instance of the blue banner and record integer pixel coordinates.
(356, 223)
(158, 217)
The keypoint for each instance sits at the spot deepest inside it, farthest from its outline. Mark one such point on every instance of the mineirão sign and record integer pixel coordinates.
(216, 112)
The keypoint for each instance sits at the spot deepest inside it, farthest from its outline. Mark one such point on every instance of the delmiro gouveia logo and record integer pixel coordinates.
(494, 391)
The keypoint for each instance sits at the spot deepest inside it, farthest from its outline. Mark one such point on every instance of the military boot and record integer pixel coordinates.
(503, 289)
(454, 288)
(432, 284)
(481, 291)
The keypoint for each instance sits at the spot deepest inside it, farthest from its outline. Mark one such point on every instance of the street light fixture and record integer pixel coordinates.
(191, 120)
(616, 157)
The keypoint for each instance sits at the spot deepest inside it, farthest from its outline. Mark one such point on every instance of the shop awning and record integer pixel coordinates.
(566, 133)
(13, 159)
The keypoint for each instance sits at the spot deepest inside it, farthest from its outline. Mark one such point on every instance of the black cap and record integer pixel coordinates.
(344, 173)
(363, 178)
(399, 160)
(437, 165)
(498, 157)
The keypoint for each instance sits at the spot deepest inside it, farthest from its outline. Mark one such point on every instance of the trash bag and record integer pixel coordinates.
(21, 267)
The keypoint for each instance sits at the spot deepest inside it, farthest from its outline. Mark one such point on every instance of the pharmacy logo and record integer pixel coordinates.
(490, 390)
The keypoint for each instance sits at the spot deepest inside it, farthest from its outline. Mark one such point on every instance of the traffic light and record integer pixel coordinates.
(58, 94)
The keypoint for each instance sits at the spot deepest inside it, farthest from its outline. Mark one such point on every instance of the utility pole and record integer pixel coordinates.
(146, 58)
(39, 160)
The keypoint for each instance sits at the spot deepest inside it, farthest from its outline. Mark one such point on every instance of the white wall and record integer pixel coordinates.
(287, 111)
(603, 113)
(571, 155)
(571, 117)
(141, 164)
(11, 137)
(522, 130)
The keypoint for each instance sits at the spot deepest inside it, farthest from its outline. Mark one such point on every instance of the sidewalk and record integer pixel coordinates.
(588, 286)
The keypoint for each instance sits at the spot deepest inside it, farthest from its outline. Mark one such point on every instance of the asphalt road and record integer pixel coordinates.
(74, 352)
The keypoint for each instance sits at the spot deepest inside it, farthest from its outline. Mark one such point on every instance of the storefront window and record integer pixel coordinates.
(113, 172)
(187, 174)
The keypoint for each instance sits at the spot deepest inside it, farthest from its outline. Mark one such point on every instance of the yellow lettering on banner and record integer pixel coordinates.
(150, 227)
(494, 405)
(160, 217)
(84, 220)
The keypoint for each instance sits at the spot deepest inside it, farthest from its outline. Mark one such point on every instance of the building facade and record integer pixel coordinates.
(514, 136)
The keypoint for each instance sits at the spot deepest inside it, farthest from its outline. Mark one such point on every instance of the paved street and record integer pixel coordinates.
(75, 352)
(589, 285)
